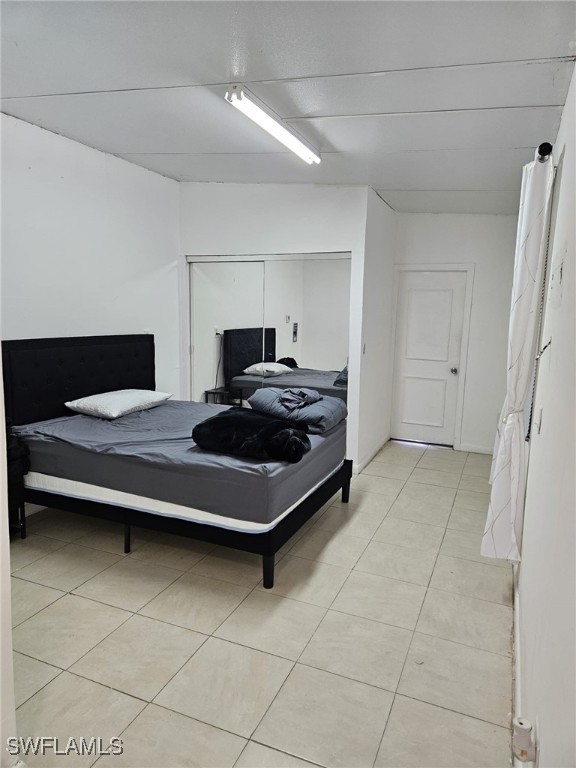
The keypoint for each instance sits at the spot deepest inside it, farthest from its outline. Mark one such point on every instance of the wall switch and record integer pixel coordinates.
(287, 318)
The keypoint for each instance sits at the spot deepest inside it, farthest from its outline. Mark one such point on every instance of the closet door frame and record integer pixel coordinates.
(468, 270)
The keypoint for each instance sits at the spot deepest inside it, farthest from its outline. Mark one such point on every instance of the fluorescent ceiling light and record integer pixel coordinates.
(237, 96)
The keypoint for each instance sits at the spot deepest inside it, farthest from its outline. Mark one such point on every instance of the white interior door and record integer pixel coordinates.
(429, 326)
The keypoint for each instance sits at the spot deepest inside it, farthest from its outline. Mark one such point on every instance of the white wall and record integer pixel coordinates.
(229, 219)
(547, 578)
(89, 245)
(284, 296)
(225, 295)
(377, 353)
(223, 219)
(325, 314)
(488, 242)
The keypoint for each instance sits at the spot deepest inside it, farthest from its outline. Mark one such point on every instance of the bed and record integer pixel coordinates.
(243, 347)
(144, 469)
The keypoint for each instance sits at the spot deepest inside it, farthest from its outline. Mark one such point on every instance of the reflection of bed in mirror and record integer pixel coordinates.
(243, 347)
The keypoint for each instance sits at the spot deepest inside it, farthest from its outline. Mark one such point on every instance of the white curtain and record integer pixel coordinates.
(503, 533)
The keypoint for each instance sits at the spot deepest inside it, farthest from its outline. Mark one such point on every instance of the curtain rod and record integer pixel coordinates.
(544, 151)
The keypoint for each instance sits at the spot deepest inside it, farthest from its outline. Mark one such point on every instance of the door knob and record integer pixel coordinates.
(454, 371)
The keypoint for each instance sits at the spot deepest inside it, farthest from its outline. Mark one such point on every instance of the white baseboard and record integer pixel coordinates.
(517, 688)
(516, 672)
(358, 466)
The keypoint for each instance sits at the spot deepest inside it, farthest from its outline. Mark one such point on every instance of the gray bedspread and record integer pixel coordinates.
(322, 381)
(151, 453)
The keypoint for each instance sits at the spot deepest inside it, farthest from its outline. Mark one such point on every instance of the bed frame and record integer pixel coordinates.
(40, 375)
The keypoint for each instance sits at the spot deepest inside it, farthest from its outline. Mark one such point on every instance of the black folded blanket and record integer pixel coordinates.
(244, 432)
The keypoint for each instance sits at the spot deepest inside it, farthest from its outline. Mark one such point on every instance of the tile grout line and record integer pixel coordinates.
(60, 670)
(14, 626)
(70, 591)
(204, 642)
(189, 571)
(471, 597)
(455, 711)
(122, 556)
(464, 645)
(376, 621)
(41, 557)
(131, 612)
(70, 594)
(413, 632)
(346, 677)
(284, 752)
(403, 664)
(352, 569)
(111, 687)
(252, 590)
(257, 586)
(297, 661)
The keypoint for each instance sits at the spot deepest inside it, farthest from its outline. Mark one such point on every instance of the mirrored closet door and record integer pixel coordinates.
(306, 302)
(225, 296)
(281, 321)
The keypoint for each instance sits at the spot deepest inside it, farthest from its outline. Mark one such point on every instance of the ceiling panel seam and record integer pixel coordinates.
(375, 73)
(380, 153)
(338, 75)
(421, 112)
(427, 191)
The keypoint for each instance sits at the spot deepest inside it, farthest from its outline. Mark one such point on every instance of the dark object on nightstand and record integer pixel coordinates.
(223, 396)
(289, 361)
(18, 464)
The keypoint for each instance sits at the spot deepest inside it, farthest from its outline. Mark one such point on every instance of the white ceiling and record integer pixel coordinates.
(436, 105)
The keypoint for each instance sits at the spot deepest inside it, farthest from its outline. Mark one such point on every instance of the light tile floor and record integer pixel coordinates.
(385, 641)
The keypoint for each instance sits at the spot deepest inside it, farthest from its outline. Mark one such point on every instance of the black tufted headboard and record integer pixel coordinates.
(40, 375)
(245, 346)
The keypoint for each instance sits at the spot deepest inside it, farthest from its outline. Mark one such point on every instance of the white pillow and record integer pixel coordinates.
(111, 405)
(267, 369)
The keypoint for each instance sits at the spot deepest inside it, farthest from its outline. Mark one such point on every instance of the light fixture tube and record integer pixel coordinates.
(237, 96)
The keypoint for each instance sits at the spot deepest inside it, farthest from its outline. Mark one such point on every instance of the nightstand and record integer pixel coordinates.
(223, 396)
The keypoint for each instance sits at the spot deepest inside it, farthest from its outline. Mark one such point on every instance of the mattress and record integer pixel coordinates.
(321, 381)
(72, 488)
(151, 455)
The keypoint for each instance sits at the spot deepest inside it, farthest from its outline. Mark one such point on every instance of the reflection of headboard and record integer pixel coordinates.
(245, 346)
(40, 375)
